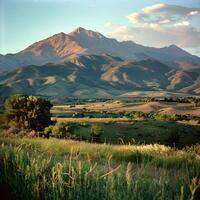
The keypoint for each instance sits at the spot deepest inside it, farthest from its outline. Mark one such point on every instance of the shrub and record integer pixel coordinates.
(96, 131)
(59, 130)
(85, 124)
(48, 131)
(136, 115)
(78, 115)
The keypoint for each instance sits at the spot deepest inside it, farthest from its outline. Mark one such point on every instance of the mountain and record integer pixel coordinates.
(62, 47)
(87, 76)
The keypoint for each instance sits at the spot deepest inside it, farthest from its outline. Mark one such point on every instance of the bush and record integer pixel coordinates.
(96, 131)
(85, 124)
(78, 115)
(48, 131)
(59, 130)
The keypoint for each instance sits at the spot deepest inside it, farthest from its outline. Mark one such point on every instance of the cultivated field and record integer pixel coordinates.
(119, 106)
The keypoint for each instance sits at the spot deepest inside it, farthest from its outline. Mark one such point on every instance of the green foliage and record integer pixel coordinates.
(78, 115)
(28, 112)
(172, 117)
(48, 131)
(173, 136)
(136, 115)
(197, 104)
(96, 130)
(59, 130)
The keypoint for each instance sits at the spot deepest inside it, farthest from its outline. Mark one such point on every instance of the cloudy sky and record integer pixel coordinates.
(148, 22)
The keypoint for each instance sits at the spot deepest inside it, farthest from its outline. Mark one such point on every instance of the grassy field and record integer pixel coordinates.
(119, 130)
(145, 157)
(66, 169)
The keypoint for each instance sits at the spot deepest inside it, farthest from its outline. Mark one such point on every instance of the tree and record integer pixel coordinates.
(28, 112)
(96, 131)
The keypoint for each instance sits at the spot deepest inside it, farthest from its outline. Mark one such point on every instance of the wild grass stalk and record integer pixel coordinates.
(36, 170)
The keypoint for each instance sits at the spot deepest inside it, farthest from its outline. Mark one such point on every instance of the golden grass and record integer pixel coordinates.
(117, 106)
(92, 120)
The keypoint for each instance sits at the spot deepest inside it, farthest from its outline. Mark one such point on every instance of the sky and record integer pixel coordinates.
(155, 23)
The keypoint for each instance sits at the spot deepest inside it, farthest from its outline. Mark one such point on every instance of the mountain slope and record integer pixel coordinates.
(61, 47)
(98, 76)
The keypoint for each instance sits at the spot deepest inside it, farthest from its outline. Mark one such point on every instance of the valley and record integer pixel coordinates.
(85, 116)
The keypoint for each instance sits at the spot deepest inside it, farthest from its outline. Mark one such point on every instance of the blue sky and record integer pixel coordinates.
(23, 22)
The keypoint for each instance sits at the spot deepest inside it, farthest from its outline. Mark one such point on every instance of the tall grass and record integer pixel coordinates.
(61, 169)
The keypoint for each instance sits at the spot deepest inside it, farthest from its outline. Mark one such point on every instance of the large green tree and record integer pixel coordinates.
(28, 112)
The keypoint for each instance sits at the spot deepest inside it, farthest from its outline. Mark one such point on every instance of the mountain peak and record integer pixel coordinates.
(84, 32)
(79, 30)
(173, 46)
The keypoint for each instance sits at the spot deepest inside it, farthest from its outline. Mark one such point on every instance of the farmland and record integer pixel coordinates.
(120, 128)
(120, 106)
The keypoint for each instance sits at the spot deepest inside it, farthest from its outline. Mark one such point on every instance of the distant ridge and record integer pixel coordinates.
(92, 76)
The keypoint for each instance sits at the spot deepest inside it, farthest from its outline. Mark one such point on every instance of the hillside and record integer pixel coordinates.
(98, 76)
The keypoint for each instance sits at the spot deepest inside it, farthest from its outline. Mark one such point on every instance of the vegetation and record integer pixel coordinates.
(64, 169)
(59, 130)
(96, 131)
(39, 168)
(28, 112)
(192, 99)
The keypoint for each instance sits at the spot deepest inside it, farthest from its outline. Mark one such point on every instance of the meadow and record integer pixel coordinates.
(114, 118)
(67, 169)
(143, 131)
(140, 155)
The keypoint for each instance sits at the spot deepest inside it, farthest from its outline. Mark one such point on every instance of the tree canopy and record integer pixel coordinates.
(28, 112)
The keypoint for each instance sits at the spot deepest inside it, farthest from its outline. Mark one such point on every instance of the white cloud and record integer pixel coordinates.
(160, 25)
(163, 15)
(165, 21)
(172, 9)
(193, 13)
(153, 8)
(183, 36)
(183, 23)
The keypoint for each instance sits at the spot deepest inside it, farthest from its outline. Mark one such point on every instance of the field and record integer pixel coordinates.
(119, 129)
(146, 131)
(65, 169)
(143, 156)
(120, 106)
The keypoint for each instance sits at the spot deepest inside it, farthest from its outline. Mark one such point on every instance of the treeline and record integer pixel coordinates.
(194, 100)
(134, 115)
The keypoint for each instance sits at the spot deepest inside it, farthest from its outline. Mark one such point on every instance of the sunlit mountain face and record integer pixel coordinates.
(61, 47)
(85, 63)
